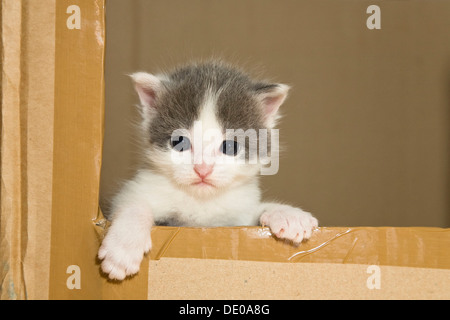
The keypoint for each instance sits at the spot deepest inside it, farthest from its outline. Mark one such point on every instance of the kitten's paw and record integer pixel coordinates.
(290, 223)
(122, 254)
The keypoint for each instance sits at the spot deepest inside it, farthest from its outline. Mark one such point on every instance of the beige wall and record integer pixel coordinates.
(367, 126)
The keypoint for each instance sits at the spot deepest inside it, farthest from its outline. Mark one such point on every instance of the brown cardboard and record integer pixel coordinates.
(249, 263)
(243, 263)
(37, 81)
(77, 158)
(173, 278)
(404, 247)
(51, 228)
(11, 242)
(52, 128)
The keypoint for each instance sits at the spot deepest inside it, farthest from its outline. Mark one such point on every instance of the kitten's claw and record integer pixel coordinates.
(122, 258)
(290, 223)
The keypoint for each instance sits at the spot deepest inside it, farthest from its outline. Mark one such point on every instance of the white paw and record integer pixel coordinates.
(290, 223)
(122, 252)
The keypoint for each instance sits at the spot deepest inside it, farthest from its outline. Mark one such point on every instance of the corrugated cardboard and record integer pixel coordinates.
(50, 226)
(249, 263)
(52, 129)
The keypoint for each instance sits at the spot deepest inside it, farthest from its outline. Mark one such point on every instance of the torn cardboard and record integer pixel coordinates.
(249, 263)
(52, 88)
(336, 263)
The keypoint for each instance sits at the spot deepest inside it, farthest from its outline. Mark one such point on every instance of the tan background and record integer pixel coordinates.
(367, 125)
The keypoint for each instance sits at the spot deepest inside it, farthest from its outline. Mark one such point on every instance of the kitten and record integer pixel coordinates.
(187, 178)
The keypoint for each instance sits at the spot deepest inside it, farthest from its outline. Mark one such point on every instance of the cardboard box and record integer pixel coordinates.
(50, 226)
(52, 129)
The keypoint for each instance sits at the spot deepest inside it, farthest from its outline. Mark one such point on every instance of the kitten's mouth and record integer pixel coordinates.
(203, 183)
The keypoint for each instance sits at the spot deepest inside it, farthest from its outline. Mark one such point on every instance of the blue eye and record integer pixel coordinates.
(180, 143)
(230, 147)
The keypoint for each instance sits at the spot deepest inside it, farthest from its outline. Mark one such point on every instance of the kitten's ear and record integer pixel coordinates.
(271, 97)
(148, 88)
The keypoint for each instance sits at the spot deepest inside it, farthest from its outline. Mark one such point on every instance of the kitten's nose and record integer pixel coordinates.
(203, 170)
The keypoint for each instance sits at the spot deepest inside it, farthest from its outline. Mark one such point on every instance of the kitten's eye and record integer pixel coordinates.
(180, 143)
(230, 147)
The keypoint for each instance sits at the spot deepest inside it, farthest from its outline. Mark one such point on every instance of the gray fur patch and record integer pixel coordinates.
(178, 105)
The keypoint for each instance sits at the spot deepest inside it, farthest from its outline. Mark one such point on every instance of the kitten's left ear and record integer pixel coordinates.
(271, 98)
(148, 87)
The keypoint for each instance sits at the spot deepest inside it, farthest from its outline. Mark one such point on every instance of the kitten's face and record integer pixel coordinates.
(196, 120)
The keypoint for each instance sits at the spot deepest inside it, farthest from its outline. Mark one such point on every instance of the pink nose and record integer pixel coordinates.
(203, 170)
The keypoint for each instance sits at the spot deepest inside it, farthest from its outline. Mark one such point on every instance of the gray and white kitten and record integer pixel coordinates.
(200, 97)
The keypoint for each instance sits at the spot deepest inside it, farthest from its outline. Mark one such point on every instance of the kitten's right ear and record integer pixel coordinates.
(148, 88)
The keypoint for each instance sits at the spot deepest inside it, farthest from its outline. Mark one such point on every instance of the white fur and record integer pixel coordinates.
(237, 206)
(169, 192)
(151, 196)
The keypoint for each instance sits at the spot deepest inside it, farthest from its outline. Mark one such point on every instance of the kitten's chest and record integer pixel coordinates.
(231, 209)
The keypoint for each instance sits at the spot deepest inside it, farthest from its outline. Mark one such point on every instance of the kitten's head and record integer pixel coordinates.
(201, 124)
